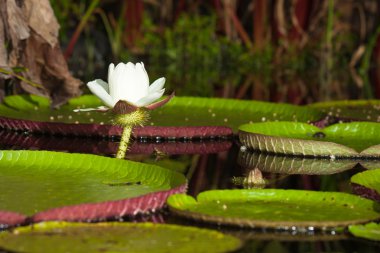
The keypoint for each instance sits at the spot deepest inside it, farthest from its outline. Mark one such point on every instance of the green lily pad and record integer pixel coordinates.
(366, 110)
(369, 231)
(115, 237)
(356, 135)
(367, 184)
(276, 208)
(295, 138)
(229, 112)
(181, 111)
(293, 165)
(52, 185)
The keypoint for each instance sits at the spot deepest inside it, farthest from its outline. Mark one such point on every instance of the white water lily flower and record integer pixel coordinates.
(126, 82)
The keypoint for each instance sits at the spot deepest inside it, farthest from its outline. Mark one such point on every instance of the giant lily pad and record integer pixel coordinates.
(186, 116)
(301, 139)
(369, 231)
(59, 237)
(366, 110)
(59, 186)
(367, 184)
(293, 165)
(276, 208)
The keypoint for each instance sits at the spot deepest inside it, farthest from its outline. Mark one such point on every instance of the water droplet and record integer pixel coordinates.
(243, 148)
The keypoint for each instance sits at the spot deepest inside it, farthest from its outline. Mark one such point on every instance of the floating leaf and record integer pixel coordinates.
(372, 151)
(293, 165)
(186, 114)
(59, 237)
(356, 135)
(366, 110)
(61, 186)
(275, 208)
(369, 231)
(229, 112)
(367, 184)
(305, 235)
(251, 135)
(301, 139)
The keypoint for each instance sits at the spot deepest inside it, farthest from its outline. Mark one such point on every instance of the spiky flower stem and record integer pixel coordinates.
(128, 121)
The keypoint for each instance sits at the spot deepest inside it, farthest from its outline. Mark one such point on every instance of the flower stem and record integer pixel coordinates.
(123, 146)
(128, 121)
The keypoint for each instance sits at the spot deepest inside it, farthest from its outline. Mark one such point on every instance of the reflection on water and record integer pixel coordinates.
(213, 165)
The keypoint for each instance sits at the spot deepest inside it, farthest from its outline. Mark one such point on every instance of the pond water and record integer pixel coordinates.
(221, 164)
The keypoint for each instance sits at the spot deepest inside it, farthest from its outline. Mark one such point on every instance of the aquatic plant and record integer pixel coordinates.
(129, 96)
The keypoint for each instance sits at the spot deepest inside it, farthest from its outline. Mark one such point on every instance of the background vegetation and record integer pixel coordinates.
(296, 51)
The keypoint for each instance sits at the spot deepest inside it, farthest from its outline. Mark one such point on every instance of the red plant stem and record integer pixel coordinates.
(70, 48)
(259, 23)
(239, 27)
(302, 14)
(375, 72)
(179, 9)
(133, 15)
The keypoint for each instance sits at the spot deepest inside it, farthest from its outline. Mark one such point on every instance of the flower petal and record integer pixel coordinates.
(157, 85)
(111, 68)
(125, 81)
(100, 89)
(150, 98)
(135, 83)
(116, 81)
(160, 103)
(142, 82)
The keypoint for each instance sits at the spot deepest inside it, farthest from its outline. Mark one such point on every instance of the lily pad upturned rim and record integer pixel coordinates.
(116, 204)
(181, 204)
(370, 231)
(186, 239)
(346, 152)
(362, 184)
(107, 130)
(305, 140)
(283, 164)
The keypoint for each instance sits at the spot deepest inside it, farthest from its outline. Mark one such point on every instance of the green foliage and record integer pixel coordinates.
(192, 56)
(273, 208)
(369, 231)
(303, 139)
(181, 111)
(34, 181)
(369, 179)
(57, 237)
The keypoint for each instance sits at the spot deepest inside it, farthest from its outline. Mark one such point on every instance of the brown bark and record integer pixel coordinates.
(29, 40)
